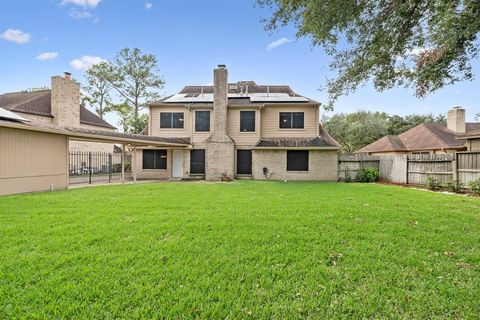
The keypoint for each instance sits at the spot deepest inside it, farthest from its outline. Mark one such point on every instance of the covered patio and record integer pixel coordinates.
(35, 155)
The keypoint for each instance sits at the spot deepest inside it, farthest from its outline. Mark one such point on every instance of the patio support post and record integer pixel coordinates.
(123, 163)
(134, 164)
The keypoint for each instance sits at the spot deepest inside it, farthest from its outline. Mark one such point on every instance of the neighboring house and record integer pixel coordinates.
(59, 106)
(472, 140)
(426, 138)
(241, 130)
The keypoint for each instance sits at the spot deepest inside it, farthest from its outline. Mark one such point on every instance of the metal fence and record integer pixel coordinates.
(97, 167)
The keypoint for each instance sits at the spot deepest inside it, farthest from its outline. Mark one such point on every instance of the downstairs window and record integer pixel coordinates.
(297, 160)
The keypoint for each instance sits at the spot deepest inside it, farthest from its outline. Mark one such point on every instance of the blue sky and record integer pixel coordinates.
(189, 39)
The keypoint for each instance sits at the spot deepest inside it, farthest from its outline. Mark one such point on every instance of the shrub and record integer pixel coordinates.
(432, 183)
(475, 186)
(368, 175)
(348, 177)
(454, 186)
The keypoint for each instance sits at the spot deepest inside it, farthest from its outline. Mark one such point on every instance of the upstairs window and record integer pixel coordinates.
(171, 120)
(202, 121)
(291, 120)
(297, 160)
(155, 159)
(247, 121)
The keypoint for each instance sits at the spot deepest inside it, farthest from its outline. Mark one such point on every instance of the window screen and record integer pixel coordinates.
(202, 121)
(154, 159)
(247, 121)
(291, 120)
(297, 160)
(171, 120)
(197, 161)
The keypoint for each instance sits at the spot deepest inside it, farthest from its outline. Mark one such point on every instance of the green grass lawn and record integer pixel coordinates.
(237, 250)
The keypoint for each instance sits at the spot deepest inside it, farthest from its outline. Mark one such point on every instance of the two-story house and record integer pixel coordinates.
(239, 130)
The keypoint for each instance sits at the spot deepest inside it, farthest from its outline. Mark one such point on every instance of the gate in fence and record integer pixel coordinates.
(97, 167)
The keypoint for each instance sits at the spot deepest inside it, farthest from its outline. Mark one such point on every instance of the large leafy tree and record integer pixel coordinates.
(136, 78)
(417, 43)
(96, 92)
(356, 130)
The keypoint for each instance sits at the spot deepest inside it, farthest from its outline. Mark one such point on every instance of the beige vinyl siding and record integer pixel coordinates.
(474, 145)
(198, 138)
(243, 138)
(32, 161)
(163, 132)
(270, 122)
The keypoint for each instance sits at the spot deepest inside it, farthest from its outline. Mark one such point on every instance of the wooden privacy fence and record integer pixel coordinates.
(349, 166)
(416, 168)
(422, 166)
(468, 166)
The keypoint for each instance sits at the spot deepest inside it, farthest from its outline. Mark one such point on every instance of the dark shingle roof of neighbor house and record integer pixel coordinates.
(324, 140)
(40, 103)
(425, 136)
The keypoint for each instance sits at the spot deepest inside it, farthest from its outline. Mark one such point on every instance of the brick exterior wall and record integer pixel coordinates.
(323, 165)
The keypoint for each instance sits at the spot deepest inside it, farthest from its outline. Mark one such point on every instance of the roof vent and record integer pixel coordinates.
(222, 66)
(67, 75)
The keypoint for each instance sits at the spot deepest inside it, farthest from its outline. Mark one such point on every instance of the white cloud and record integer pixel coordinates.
(148, 5)
(15, 35)
(278, 43)
(82, 14)
(82, 3)
(85, 62)
(47, 56)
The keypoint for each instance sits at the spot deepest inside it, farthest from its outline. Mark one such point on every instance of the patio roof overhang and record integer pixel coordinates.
(101, 136)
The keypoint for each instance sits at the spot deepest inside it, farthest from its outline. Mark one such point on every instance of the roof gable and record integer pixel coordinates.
(40, 103)
(425, 136)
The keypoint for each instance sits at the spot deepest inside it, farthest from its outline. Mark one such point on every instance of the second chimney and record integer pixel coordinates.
(65, 101)
(456, 120)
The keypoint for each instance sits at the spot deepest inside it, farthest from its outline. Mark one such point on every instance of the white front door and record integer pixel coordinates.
(177, 168)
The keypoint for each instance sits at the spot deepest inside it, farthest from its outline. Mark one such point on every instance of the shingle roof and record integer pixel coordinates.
(40, 103)
(324, 140)
(185, 141)
(88, 117)
(425, 136)
(37, 102)
(94, 134)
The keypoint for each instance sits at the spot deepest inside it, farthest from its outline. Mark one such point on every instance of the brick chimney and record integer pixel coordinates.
(65, 101)
(456, 119)
(220, 151)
